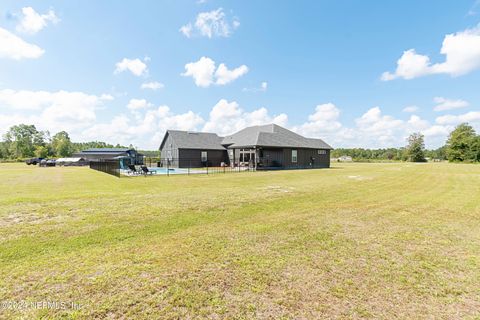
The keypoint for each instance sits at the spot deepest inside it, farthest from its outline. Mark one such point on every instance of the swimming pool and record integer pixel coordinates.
(175, 171)
(169, 171)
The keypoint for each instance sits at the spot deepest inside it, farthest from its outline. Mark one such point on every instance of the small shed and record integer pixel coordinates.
(66, 162)
(100, 154)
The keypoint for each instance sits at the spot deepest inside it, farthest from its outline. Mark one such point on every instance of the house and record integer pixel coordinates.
(263, 147)
(185, 149)
(345, 159)
(131, 156)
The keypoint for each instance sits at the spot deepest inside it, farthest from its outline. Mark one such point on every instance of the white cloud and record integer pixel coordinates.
(472, 116)
(186, 30)
(41, 100)
(236, 23)
(373, 129)
(136, 104)
(410, 109)
(263, 87)
(205, 73)
(75, 112)
(437, 131)
(227, 118)
(32, 22)
(448, 104)
(143, 124)
(106, 97)
(153, 85)
(415, 124)
(462, 55)
(13, 47)
(224, 75)
(211, 24)
(135, 66)
(145, 131)
(54, 111)
(24, 99)
(322, 122)
(374, 125)
(410, 65)
(374, 121)
(201, 71)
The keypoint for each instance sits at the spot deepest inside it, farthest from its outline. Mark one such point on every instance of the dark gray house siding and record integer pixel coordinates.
(169, 151)
(182, 149)
(282, 158)
(192, 158)
(306, 158)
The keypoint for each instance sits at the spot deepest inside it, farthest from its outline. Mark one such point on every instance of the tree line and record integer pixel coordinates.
(25, 141)
(462, 145)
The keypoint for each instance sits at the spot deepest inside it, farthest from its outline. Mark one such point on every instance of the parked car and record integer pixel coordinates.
(33, 161)
(48, 163)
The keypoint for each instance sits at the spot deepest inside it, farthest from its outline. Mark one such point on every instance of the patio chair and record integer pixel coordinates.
(134, 170)
(145, 170)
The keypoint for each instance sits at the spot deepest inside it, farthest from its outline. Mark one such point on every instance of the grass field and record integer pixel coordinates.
(355, 241)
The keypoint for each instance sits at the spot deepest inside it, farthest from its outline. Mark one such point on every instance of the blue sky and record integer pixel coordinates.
(356, 73)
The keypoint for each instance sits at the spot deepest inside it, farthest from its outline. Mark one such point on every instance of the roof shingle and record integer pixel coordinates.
(103, 150)
(195, 140)
(272, 135)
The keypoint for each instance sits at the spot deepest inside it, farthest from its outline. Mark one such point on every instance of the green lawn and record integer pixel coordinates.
(355, 241)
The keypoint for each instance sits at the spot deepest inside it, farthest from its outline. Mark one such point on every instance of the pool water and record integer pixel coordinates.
(169, 171)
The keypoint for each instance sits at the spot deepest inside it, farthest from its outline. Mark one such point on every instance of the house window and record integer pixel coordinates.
(322, 151)
(169, 155)
(204, 156)
(294, 156)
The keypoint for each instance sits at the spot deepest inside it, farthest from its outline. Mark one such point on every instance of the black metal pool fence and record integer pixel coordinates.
(108, 166)
(185, 166)
(176, 166)
(197, 166)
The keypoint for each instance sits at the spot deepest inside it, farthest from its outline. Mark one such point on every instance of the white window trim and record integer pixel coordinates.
(202, 158)
(295, 157)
